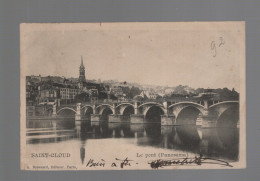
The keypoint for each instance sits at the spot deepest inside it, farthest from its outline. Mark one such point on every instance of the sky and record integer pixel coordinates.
(206, 55)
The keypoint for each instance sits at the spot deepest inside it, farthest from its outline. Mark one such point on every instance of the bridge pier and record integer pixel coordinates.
(136, 111)
(115, 118)
(167, 120)
(78, 115)
(54, 110)
(136, 118)
(208, 121)
(95, 118)
(114, 108)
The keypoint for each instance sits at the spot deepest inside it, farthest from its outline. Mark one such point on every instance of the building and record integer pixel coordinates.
(48, 95)
(118, 92)
(93, 93)
(150, 94)
(31, 93)
(67, 95)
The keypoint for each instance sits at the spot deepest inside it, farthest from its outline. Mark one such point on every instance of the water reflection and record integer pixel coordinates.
(213, 142)
(46, 131)
(82, 153)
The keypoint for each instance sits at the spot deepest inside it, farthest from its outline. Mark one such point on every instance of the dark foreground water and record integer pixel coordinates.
(57, 135)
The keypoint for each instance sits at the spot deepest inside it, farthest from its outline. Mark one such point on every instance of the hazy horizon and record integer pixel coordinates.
(134, 82)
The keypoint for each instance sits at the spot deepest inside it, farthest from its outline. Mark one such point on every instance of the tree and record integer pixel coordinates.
(134, 91)
(126, 91)
(102, 95)
(226, 94)
(113, 97)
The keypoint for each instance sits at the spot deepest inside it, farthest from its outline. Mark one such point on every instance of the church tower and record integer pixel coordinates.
(82, 77)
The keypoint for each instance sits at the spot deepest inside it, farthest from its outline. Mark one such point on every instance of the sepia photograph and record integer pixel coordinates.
(132, 96)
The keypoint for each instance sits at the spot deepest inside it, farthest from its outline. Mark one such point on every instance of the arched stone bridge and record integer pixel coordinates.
(169, 113)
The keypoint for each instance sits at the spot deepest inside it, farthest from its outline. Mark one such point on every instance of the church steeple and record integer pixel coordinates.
(82, 77)
(82, 62)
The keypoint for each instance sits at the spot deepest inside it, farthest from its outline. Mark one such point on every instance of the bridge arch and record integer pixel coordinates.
(104, 112)
(66, 111)
(224, 102)
(86, 107)
(126, 111)
(188, 115)
(229, 117)
(187, 103)
(186, 112)
(220, 107)
(227, 113)
(150, 103)
(124, 104)
(125, 107)
(104, 105)
(88, 110)
(153, 113)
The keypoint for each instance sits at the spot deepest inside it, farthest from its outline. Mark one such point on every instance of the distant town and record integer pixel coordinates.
(47, 90)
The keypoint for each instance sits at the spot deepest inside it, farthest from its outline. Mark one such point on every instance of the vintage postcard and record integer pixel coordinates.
(131, 96)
